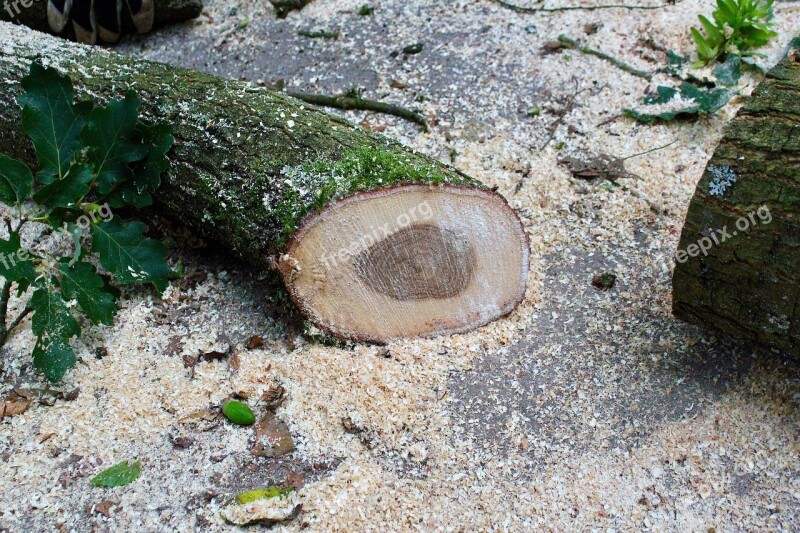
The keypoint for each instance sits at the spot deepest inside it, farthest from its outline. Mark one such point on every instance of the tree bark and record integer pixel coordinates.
(741, 275)
(35, 16)
(262, 173)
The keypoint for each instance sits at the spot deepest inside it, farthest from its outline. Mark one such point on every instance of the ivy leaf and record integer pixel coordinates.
(128, 255)
(110, 134)
(700, 102)
(15, 262)
(82, 283)
(50, 119)
(54, 326)
(157, 138)
(729, 72)
(118, 475)
(66, 191)
(16, 181)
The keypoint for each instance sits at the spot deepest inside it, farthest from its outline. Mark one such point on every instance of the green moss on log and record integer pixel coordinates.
(248, 163)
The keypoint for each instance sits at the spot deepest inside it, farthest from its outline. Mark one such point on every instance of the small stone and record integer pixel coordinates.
(238, 413)
(413, 49)
(272, 437)
(350, 426)
(604, 281)
(384, 352)
(181, 442)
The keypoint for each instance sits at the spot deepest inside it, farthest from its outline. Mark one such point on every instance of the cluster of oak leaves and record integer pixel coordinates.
(90, 158)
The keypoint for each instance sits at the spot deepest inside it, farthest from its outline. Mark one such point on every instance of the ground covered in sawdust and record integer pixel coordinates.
(584, 409)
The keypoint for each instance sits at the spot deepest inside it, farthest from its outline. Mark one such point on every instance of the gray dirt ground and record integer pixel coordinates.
(583, 410)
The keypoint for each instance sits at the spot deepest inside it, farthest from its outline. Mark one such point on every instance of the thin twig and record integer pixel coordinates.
(5, 294)
(16, 321)
(649, 151)
(364, 104)
(522, 9)
(602, 55)
(563, 114)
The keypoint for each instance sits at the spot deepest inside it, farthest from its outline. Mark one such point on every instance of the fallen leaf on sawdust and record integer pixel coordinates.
(104, 508)
(14, 407)
(603, 166)
(272, 437)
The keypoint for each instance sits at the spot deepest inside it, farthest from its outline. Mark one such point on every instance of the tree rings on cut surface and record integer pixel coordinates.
(405, 261)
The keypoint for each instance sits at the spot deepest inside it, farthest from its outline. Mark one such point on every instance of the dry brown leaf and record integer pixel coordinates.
(254, 342)
(15, 407)
(104, 508)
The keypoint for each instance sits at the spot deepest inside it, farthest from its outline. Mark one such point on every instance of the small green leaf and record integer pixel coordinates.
(118, 475)
(80, 282)
(262, 494)
(15, 261)
(110, 134)
(66, 191)
(16, 181)
(238, 413)
(128, 255)
(674, 59)
(50, 119)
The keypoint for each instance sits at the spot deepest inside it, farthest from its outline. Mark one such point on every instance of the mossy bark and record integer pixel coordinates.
(748, 284)
(35, 16)
(248, 164)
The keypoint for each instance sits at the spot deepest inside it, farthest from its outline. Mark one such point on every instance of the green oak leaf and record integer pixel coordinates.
(50, 119)
(157, 138)
(16, 181)
(15, 261)
(82, 283)
(110, 134)
(663, 95)
(66, 191)
(51, 316)
(118, 475)
(54, 326)
(699, 102)
(729, 72)
(128, 255)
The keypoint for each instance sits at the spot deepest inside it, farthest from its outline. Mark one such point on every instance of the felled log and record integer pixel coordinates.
(33, 13)
(373, 241)
(738, 264)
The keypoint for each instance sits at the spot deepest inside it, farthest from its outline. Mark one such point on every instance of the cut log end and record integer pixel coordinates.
(406, 261)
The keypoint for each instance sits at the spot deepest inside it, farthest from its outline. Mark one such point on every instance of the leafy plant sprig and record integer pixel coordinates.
(738, 27)
(92, 159)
